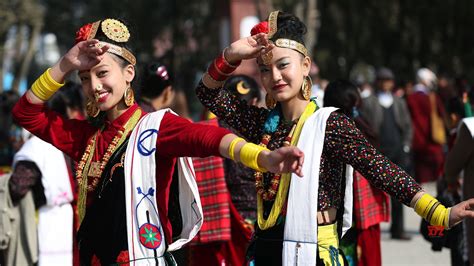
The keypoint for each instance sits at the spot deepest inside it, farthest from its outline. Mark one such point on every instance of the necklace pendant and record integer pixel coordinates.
(94, 170)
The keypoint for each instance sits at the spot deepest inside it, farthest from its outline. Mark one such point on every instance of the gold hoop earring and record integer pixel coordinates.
(91, 109)
(129, 97)
(306, 88)
(269, 101)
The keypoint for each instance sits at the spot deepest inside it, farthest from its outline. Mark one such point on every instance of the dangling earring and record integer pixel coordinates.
(129, 97)
(91, 109)
(269, 101)
(306, 88)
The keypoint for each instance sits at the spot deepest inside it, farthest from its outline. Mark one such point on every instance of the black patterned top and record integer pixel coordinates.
(343, 144)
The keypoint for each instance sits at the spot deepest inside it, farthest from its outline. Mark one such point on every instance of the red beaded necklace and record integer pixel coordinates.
(270, 193)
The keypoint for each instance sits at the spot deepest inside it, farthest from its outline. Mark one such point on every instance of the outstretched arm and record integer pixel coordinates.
(282, 160)
(345, 142)
(177, 137)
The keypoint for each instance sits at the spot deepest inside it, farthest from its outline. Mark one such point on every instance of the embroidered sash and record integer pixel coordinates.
(146, 239)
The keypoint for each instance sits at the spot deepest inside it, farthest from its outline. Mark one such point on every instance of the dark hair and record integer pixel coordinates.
(70, 95)
(248, 83)
(155, 77)
(290, 27)
(342, 94)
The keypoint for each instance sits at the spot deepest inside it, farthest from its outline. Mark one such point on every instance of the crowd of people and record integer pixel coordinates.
(118, 177)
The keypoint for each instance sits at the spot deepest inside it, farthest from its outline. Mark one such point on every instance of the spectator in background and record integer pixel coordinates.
(156, 89)
(47, 174)
(427, 114)
(461, 159)
(389, 117)
(371, 205)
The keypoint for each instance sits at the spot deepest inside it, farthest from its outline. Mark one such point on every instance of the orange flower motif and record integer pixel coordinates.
(83, 33)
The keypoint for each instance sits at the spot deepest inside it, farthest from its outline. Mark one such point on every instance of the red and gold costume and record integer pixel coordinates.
(177, 137)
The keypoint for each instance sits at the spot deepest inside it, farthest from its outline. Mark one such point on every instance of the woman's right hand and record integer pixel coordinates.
(83, 56)
(247, 48)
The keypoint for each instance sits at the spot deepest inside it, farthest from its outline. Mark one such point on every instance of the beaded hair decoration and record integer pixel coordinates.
(113, 30)
(270, 27)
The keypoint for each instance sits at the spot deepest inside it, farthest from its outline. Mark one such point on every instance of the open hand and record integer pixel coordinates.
(464, 209)
(84, 55)
(283, 160)
(249, 47)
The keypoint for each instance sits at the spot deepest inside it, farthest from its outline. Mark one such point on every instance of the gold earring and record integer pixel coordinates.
(306, 88)
(129, 97)
(92, 109)
(269, 101)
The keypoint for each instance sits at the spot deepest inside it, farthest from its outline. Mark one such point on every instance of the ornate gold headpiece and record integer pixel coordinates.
(271, 28)
(113, 30)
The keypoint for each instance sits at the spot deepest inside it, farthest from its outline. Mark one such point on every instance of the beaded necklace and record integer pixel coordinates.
(270, 193)
(86, 168)
(284, 181)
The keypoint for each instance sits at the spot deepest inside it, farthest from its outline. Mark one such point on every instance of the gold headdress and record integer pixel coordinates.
(270, 27)
(113, 30)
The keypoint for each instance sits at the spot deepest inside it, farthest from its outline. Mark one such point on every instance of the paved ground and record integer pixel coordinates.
(417, 251)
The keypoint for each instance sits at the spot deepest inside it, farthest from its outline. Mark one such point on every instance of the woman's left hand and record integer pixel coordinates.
(464, 209)
(283, 160)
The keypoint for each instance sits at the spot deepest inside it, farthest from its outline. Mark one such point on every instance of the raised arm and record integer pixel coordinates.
(248, 120)
(70, 136)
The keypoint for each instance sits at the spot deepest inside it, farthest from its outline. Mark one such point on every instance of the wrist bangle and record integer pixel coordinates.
(432, 210)
(232, 147)
(45, 86)
(215, 74)
(211, 83)
(249, 156)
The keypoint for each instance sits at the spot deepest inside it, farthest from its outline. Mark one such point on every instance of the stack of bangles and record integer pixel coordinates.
(219, 71)
(45, 86)
(432, 211)
(248, 154)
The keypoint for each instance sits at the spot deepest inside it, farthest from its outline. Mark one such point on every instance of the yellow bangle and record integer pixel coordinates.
(249, 156)
(232, 147)
(45, 86)
(432, 211)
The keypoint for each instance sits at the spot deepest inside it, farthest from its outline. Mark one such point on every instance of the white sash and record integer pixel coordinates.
(55, 219)
(301, 224)
(146, 239)
(469, 122)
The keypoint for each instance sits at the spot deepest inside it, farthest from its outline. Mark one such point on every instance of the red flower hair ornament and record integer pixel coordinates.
(83, 33)
(261, 27)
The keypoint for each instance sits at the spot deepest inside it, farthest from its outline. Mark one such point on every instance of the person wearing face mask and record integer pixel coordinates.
(300, 222)
(127, 157)
(390, 119)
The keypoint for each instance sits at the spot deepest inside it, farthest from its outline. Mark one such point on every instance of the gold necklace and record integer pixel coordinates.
(86, 168)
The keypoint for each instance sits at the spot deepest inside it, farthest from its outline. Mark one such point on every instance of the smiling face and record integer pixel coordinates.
(106, 83)
(283, 77)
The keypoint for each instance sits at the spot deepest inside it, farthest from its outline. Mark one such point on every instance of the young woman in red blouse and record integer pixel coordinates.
(106, 67)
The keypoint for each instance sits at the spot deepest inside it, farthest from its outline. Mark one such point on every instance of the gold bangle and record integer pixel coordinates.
(45, 86)
(232, 147)
(249, 156)
(432, 211)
